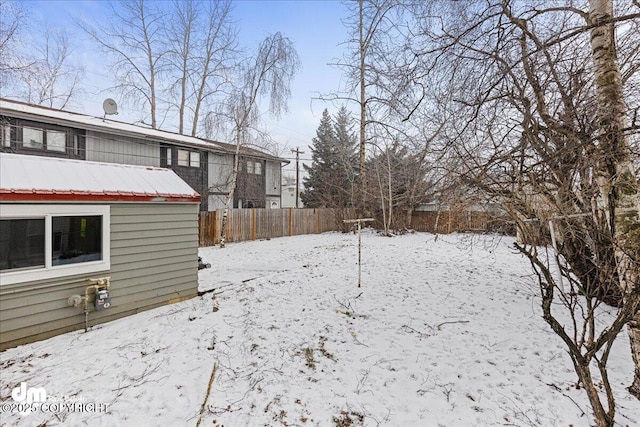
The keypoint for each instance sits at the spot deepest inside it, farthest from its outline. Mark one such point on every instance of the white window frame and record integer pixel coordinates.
(49, 271)
(5, 136)
(258, 168)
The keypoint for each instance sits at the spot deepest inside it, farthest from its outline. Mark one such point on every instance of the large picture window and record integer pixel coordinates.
(76, 239)
(21, 243)
(46, 241)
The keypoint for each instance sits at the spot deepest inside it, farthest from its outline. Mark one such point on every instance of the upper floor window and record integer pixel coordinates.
(5, 134)
(254, 167)
(188, 158)
(166, 158)
(54, 140)
(41, 139)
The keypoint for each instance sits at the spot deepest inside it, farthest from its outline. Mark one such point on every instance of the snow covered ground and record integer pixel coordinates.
(443, 332)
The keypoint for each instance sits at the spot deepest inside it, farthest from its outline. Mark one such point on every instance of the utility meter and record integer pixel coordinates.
(103, 300)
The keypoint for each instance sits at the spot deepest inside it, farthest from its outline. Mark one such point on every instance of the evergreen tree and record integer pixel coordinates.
(346, 151)
(330, 178)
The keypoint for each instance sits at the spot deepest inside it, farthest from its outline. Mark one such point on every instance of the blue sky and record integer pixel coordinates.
(315, 27)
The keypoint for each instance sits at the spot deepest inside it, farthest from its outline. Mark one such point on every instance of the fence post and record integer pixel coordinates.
(290, 222)
(253, 223)
(214, 218)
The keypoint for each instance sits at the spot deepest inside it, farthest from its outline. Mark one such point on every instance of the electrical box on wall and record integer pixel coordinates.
(103, 300)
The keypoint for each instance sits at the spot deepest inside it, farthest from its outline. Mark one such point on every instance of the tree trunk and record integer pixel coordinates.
(363, 112)
(409, 220)
(232, 189)
(618, 184)
(602, 417)
(634, 338)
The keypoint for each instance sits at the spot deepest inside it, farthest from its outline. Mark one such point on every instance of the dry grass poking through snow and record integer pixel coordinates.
(442, 333)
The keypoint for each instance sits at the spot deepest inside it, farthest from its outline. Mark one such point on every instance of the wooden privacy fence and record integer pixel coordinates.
(445, 222)
(254, 224)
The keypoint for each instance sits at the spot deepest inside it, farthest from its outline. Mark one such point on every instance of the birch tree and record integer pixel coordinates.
(51, 79)
(201, 57)
(36, 62)
(616, 176)
(133, 39)
(543, 131)
(267, 74)
(370, 27)
(13, 22)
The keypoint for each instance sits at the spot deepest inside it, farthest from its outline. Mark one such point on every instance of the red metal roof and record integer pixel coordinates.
(33, 178)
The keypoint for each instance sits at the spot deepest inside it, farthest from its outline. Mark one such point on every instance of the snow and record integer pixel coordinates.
(47, 175)
(443, 332)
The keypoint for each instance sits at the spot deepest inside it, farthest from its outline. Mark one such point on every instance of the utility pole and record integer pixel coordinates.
(298, 152)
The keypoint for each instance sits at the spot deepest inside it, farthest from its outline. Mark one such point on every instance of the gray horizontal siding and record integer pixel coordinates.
(104, 147)
(154, 250)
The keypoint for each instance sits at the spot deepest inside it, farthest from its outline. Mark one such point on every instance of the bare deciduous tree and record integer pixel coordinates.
(35, 61)
(269, 73)
(12, 24)
(202, 51)
(542, 131)
(370, 26)
(133, 38)
(50, 79)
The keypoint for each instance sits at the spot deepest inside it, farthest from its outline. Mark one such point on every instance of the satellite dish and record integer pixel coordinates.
(110, 107)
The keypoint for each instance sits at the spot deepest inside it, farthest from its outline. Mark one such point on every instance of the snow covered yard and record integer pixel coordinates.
(443, 332)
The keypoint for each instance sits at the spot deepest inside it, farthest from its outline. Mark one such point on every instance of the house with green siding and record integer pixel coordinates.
(85, 242)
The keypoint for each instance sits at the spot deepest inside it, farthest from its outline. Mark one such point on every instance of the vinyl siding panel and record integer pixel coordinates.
(154, 250)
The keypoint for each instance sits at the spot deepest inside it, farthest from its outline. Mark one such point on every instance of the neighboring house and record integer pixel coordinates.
(289, 193)
(205, 165)
(72, 228)
(258, 184)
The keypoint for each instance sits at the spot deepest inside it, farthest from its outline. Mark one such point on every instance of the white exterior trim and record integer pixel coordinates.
(49, 271)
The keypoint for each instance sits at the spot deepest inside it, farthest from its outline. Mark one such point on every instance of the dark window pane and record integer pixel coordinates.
(76, 239)
(21, 243)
